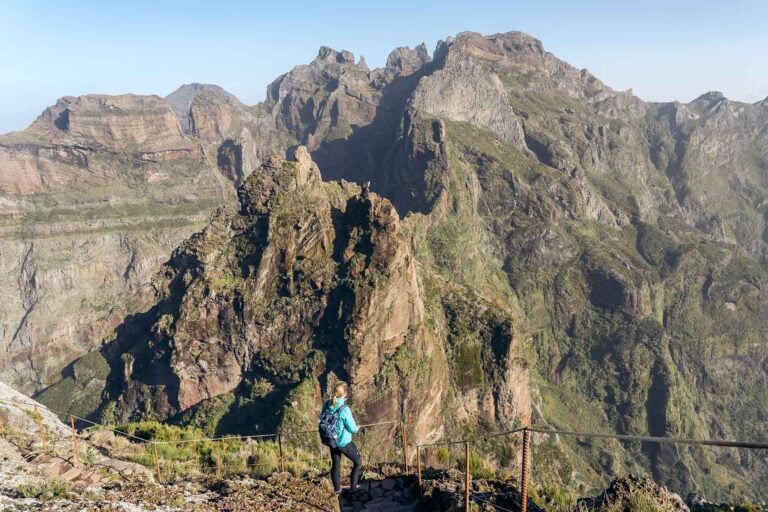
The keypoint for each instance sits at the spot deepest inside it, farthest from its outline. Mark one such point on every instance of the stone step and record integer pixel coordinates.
(89, 477)
(39, 458)
(57, 467)
(383, 504)
(72, 474)
(380, 507)
(390, 508)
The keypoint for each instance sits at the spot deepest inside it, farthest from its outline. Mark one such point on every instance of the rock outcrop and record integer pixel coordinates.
(308, 282)
(406, 61)
(17, 412)
(633, 493)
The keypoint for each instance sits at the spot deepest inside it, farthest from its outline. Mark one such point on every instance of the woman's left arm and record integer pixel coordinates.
(349, 421)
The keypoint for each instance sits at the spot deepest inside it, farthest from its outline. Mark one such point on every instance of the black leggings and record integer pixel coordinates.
(351, 452)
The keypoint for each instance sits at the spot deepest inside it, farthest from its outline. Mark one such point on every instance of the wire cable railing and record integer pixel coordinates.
(238, 453)
(159, 452)
(525, 459)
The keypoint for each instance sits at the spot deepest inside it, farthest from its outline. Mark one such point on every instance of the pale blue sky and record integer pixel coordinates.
(663, 50)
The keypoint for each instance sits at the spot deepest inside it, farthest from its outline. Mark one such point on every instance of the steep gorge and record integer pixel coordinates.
(567, 254)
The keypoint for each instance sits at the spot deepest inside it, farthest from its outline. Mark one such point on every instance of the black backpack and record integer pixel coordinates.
(327, 425)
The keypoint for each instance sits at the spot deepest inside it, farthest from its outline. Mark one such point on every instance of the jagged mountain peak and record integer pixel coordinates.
(404, 60)
(296, 175)
(508, 47)
(328, 54)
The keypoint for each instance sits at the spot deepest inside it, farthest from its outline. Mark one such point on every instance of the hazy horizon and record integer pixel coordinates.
(662, 51)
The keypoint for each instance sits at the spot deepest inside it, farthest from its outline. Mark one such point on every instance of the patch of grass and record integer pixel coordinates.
(48, 490)
(443, 455)
(185, 450)
(478, 466)
(554, 498)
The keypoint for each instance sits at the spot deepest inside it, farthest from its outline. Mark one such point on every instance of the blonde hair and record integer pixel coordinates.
(339, 390)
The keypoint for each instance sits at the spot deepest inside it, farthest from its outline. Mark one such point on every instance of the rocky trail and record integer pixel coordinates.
(56, 467)
(389, 495)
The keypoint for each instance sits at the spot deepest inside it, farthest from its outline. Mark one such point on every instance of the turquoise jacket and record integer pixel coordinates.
(346, 425)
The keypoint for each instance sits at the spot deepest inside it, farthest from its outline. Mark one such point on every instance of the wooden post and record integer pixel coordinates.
(157, 463)
(466, 476)
(280, 449)
(524, 476)
(418, 466)
(40, 428)
(74, 441)
(403, 435)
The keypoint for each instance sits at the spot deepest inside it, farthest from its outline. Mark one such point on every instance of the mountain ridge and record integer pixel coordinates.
(575, 248)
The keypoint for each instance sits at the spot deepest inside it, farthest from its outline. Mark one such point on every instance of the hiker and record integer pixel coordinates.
(336, 428)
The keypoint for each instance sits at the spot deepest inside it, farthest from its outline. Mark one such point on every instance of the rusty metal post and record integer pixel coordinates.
(74, 441)
(418, 468)
(280, 448)
(40, 428)
(157, 463)
(404, 437)
(220, 459)
(524, 476)
(466, 476)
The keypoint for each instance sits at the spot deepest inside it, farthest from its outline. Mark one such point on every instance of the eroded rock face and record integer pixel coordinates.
(345, 98)
(117, 123)
(321, 265)
(465, 91)
(93, 197)
(588, 216)
(182, 99)
(18, 412)
(406, 61)
(307, 283)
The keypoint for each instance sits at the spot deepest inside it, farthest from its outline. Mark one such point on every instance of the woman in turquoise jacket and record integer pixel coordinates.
(345, 427)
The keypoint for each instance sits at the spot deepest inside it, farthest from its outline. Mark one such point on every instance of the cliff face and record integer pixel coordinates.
(94, 195)
(534, 247)
(145, 124)
(621, 240)
(305, 283)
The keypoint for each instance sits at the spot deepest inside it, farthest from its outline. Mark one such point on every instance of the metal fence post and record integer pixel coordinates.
(40, 428)
(157, 463)
(466, 476)
(418, 466)
(404, 437)
(524, 476)
(280, 449)
(74, 441)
